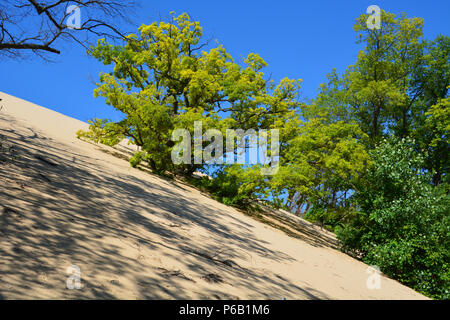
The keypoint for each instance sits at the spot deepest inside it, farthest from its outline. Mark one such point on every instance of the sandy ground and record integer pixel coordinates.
(133, 235)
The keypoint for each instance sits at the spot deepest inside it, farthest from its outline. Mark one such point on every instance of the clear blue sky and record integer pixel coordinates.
(299, 39)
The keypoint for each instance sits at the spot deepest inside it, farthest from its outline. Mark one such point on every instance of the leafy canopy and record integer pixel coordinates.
(162, 80)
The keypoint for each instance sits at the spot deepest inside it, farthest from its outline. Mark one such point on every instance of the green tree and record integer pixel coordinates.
(377, 90)
(162, 80)
(402, 225)
(319, 166)
(430, 111)
(395, 86)
(319, 163)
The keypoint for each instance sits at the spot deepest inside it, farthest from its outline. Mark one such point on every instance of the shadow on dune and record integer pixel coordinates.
(56, 209)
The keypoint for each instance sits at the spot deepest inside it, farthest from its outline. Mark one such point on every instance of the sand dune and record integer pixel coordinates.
(133, 235)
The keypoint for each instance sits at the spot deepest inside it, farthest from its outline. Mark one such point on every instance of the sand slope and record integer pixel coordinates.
(137, 236)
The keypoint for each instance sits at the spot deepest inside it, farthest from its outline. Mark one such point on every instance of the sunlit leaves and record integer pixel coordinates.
(165, 78)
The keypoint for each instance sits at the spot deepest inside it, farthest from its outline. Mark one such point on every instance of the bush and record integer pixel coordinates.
(403, 224)
(224, 188)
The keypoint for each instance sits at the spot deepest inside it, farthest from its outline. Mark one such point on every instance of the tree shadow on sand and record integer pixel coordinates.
(58, 207)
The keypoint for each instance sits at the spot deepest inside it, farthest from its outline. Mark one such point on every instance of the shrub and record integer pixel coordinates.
(403, 223)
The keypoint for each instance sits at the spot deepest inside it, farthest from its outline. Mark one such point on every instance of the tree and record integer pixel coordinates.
(395, 85)
(162, 80)
(376, 91)
(319, 163)
(397, 89)
(38, 26)
(430, 116)
(402, 225)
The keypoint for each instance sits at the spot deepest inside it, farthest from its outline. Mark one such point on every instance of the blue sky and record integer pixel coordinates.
(298, 39)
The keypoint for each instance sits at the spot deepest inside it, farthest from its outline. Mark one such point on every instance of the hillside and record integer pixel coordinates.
(134, 235)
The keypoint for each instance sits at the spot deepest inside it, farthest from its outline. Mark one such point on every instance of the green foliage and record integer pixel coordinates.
(430, 111)
(102, 131)
(224, 187)
(379, 83)
(137, 158)
(398, 217)
(438, 121)
(161, 80)
(320, 163)
(403, 223)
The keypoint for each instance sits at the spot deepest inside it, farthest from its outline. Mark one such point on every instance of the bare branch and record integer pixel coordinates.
(50, 26)
(31, 46)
